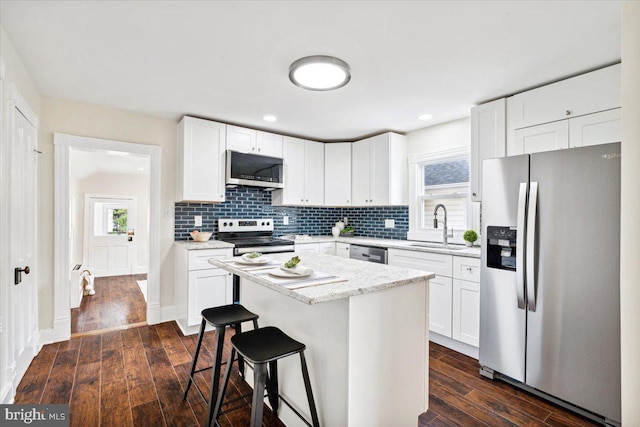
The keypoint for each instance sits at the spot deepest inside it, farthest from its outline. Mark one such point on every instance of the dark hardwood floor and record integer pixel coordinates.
(118, 302)
(459, 396)
(136, 377)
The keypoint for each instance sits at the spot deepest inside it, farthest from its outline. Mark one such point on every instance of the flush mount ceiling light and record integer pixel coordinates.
(269, 118)
(425, 117)
(319, 72)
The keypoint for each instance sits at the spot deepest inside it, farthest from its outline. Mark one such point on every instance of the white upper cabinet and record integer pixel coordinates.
(201, 160)
(488, 139)
(585, 94)
(593, 129)
(535, 139)
(337, 174)
(254, 141)
(303, 173)
(379, 171)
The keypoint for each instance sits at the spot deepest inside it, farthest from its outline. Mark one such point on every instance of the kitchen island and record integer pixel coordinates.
(366, 335)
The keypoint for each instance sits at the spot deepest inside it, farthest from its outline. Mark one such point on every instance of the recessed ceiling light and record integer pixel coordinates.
(141, 169)
(269, 118)
(425, 117)
(319, 72)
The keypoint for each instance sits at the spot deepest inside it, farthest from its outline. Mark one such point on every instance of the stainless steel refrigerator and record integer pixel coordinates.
(550, 276)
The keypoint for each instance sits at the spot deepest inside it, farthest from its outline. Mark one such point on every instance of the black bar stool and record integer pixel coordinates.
(265, 346)
(219, 318)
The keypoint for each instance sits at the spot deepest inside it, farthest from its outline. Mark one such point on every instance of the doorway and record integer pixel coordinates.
(118, 242)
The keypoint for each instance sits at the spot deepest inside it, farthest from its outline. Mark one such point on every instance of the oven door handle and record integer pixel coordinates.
(264, 249)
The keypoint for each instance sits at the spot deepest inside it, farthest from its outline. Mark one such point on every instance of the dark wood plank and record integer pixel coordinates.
(112, 365)
(176, 411)
(60, 382)
(114, 407)
(85, 399)
(176, 351)
(148, 414)
(90, 350)
(451, 413)
(140, 384)
(31, 388)
(131, 338)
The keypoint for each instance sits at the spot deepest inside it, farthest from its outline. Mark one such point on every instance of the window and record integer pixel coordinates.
(110, 218)
(439, 178)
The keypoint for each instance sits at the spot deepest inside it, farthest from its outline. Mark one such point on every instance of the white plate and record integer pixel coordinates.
(281, 272)
(255, 261)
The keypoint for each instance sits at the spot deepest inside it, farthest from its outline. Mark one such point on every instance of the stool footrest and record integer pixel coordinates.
(295, 411)
(242, 405)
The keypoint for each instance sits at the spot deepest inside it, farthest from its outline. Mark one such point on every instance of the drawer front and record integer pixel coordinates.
(199, 259)
(466, 268)
(342, 249)
(439, 264)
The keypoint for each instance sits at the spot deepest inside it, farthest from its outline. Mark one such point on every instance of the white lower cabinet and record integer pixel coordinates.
(454, 296)
(327, 248)
(466, 300)
(199, 285)
(342, 249)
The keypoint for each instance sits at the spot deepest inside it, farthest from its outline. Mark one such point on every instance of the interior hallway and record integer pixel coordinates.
(118, 302)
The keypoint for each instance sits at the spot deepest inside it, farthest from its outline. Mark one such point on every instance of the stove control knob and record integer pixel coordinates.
(268, 223)
(224, 224)
(263, 223)
(231, 224)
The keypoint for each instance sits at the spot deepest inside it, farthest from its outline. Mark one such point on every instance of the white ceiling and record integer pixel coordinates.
(229, 60)
(86, 163)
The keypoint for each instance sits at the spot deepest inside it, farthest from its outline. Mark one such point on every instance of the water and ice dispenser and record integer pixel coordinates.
(501, 247)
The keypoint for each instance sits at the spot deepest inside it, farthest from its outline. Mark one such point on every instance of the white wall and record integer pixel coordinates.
(16, 73)
(126, 185)
(78, 118)
(445, 136)
(630, 206)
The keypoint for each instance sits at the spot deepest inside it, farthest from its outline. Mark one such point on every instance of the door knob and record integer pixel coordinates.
(18, 274)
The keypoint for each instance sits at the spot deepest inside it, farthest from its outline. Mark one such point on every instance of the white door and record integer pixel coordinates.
(379, 172)
(241, 139)
(536, 139)
(314, 173)
(110, 229)
(337, 174)
(440, 305)
(360, 167)
(23, 295)
(293, 192)
(599, 128)
(269, 144)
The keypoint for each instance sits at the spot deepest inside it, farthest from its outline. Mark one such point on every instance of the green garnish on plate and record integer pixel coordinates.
(292, 262)
(254, 255)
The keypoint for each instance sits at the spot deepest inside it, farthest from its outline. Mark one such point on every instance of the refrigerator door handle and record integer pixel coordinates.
(531, 246)
(520, 244)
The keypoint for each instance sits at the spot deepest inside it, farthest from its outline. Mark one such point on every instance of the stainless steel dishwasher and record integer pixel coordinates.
(368, 253)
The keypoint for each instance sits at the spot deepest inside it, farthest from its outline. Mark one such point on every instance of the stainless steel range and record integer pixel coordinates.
(251, 235)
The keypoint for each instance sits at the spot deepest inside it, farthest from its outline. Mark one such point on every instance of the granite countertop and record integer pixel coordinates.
(460, 250)
(362, 277)
(210, 244)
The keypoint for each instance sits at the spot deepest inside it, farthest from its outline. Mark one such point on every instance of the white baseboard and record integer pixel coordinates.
(61, 331)
(141, 269)
(167, 314)
(6, 394)
(454, 345)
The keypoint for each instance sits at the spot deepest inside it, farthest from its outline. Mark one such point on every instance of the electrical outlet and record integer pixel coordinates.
(285, 220)
(389, 223)
(197, 221)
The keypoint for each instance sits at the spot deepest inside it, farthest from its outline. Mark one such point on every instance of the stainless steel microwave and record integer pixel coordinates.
(254, 170)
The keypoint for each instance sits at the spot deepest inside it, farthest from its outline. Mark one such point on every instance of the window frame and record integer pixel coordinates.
(416, 194)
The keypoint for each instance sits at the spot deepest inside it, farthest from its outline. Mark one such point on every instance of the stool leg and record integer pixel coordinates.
(307, 386)
(214, 412)
(238, 328)
(217, 363)
(272, 387)
(195, 358)
(257, 402)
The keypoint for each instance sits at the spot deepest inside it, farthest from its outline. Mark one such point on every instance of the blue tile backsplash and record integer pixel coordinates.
(253, 202)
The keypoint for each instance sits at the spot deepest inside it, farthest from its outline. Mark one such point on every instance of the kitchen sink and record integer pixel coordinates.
(438, 246)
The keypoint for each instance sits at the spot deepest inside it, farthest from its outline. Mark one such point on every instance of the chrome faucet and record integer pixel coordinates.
(445, 235)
